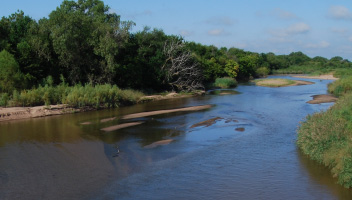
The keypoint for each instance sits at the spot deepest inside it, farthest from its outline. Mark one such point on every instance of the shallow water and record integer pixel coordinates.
(61, 158)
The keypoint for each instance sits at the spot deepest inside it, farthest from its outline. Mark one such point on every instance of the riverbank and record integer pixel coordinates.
(17, 113)
(326, 136)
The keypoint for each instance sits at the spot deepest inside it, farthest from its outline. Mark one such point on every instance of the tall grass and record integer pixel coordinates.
(225, 82)
(341, 86)
(99, 96)
(327, 138)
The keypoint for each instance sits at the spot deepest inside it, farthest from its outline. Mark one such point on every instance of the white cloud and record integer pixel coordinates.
(294, 29)
(216, 32)
(221, 21)
(283, 14)
(322, 44)
(298, 28)
(340, 30)
(340, 12)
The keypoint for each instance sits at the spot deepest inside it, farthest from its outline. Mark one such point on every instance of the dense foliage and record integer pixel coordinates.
(86, 43)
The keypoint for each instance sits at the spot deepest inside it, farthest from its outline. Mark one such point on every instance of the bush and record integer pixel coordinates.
(99, 96)
(4, 98)
(262, 72)
(225, 82)
(341, 86)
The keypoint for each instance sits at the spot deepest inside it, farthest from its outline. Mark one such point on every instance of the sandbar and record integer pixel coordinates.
(322, 98)
(206, 123)
(158, 143)
(120, 126)
(159, 112)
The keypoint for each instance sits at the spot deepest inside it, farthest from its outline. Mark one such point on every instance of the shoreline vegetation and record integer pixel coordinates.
(326, 137)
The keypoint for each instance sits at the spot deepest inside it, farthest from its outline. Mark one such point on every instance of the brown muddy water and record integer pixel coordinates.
(70, 157)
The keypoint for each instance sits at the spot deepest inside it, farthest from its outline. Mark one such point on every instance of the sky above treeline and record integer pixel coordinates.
(315, 27)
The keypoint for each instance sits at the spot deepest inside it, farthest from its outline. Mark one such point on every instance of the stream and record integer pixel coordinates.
(248, 152)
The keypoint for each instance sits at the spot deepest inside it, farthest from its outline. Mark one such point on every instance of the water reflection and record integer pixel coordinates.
(321, 175)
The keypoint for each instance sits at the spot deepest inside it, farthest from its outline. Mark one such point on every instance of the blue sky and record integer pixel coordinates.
(315, 27)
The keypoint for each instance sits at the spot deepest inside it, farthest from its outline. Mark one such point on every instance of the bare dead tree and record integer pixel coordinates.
(182, 70)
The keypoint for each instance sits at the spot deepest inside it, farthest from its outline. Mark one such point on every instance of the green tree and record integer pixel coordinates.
(86, 37)
(10, 75)
(232, 68)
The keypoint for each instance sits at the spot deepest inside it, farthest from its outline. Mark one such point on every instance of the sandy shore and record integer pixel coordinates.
(15, 113)
(323, 77)
(322, 98)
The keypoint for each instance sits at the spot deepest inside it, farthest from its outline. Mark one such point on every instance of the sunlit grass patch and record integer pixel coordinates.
(226, 82)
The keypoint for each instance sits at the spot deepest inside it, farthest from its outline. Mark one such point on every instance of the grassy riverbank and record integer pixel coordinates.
(78, 96)
(326, 137)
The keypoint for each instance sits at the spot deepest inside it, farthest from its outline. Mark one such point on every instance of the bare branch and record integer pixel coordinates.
(182, 71)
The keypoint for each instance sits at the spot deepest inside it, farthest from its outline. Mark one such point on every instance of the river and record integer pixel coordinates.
(249, 153)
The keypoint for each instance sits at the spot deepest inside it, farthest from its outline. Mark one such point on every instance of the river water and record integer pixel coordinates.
(249, 153)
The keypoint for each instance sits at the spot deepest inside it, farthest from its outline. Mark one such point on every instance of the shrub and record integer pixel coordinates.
(262, 71)
(341, 86)
(225, 82)
(4, 98)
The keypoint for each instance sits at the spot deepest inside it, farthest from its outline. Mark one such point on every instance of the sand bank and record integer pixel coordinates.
(159, 112)
(322, 98)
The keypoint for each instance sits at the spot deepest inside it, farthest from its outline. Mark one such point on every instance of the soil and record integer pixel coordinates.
(14, 113)
(240, 129)
(322, 98)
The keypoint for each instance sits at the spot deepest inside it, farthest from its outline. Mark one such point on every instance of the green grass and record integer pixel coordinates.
(225, 82)
(99, 96)
(341, 86)
(327, 138)
(305, 69)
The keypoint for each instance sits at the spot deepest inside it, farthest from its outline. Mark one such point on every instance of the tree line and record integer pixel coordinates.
(83, 42)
